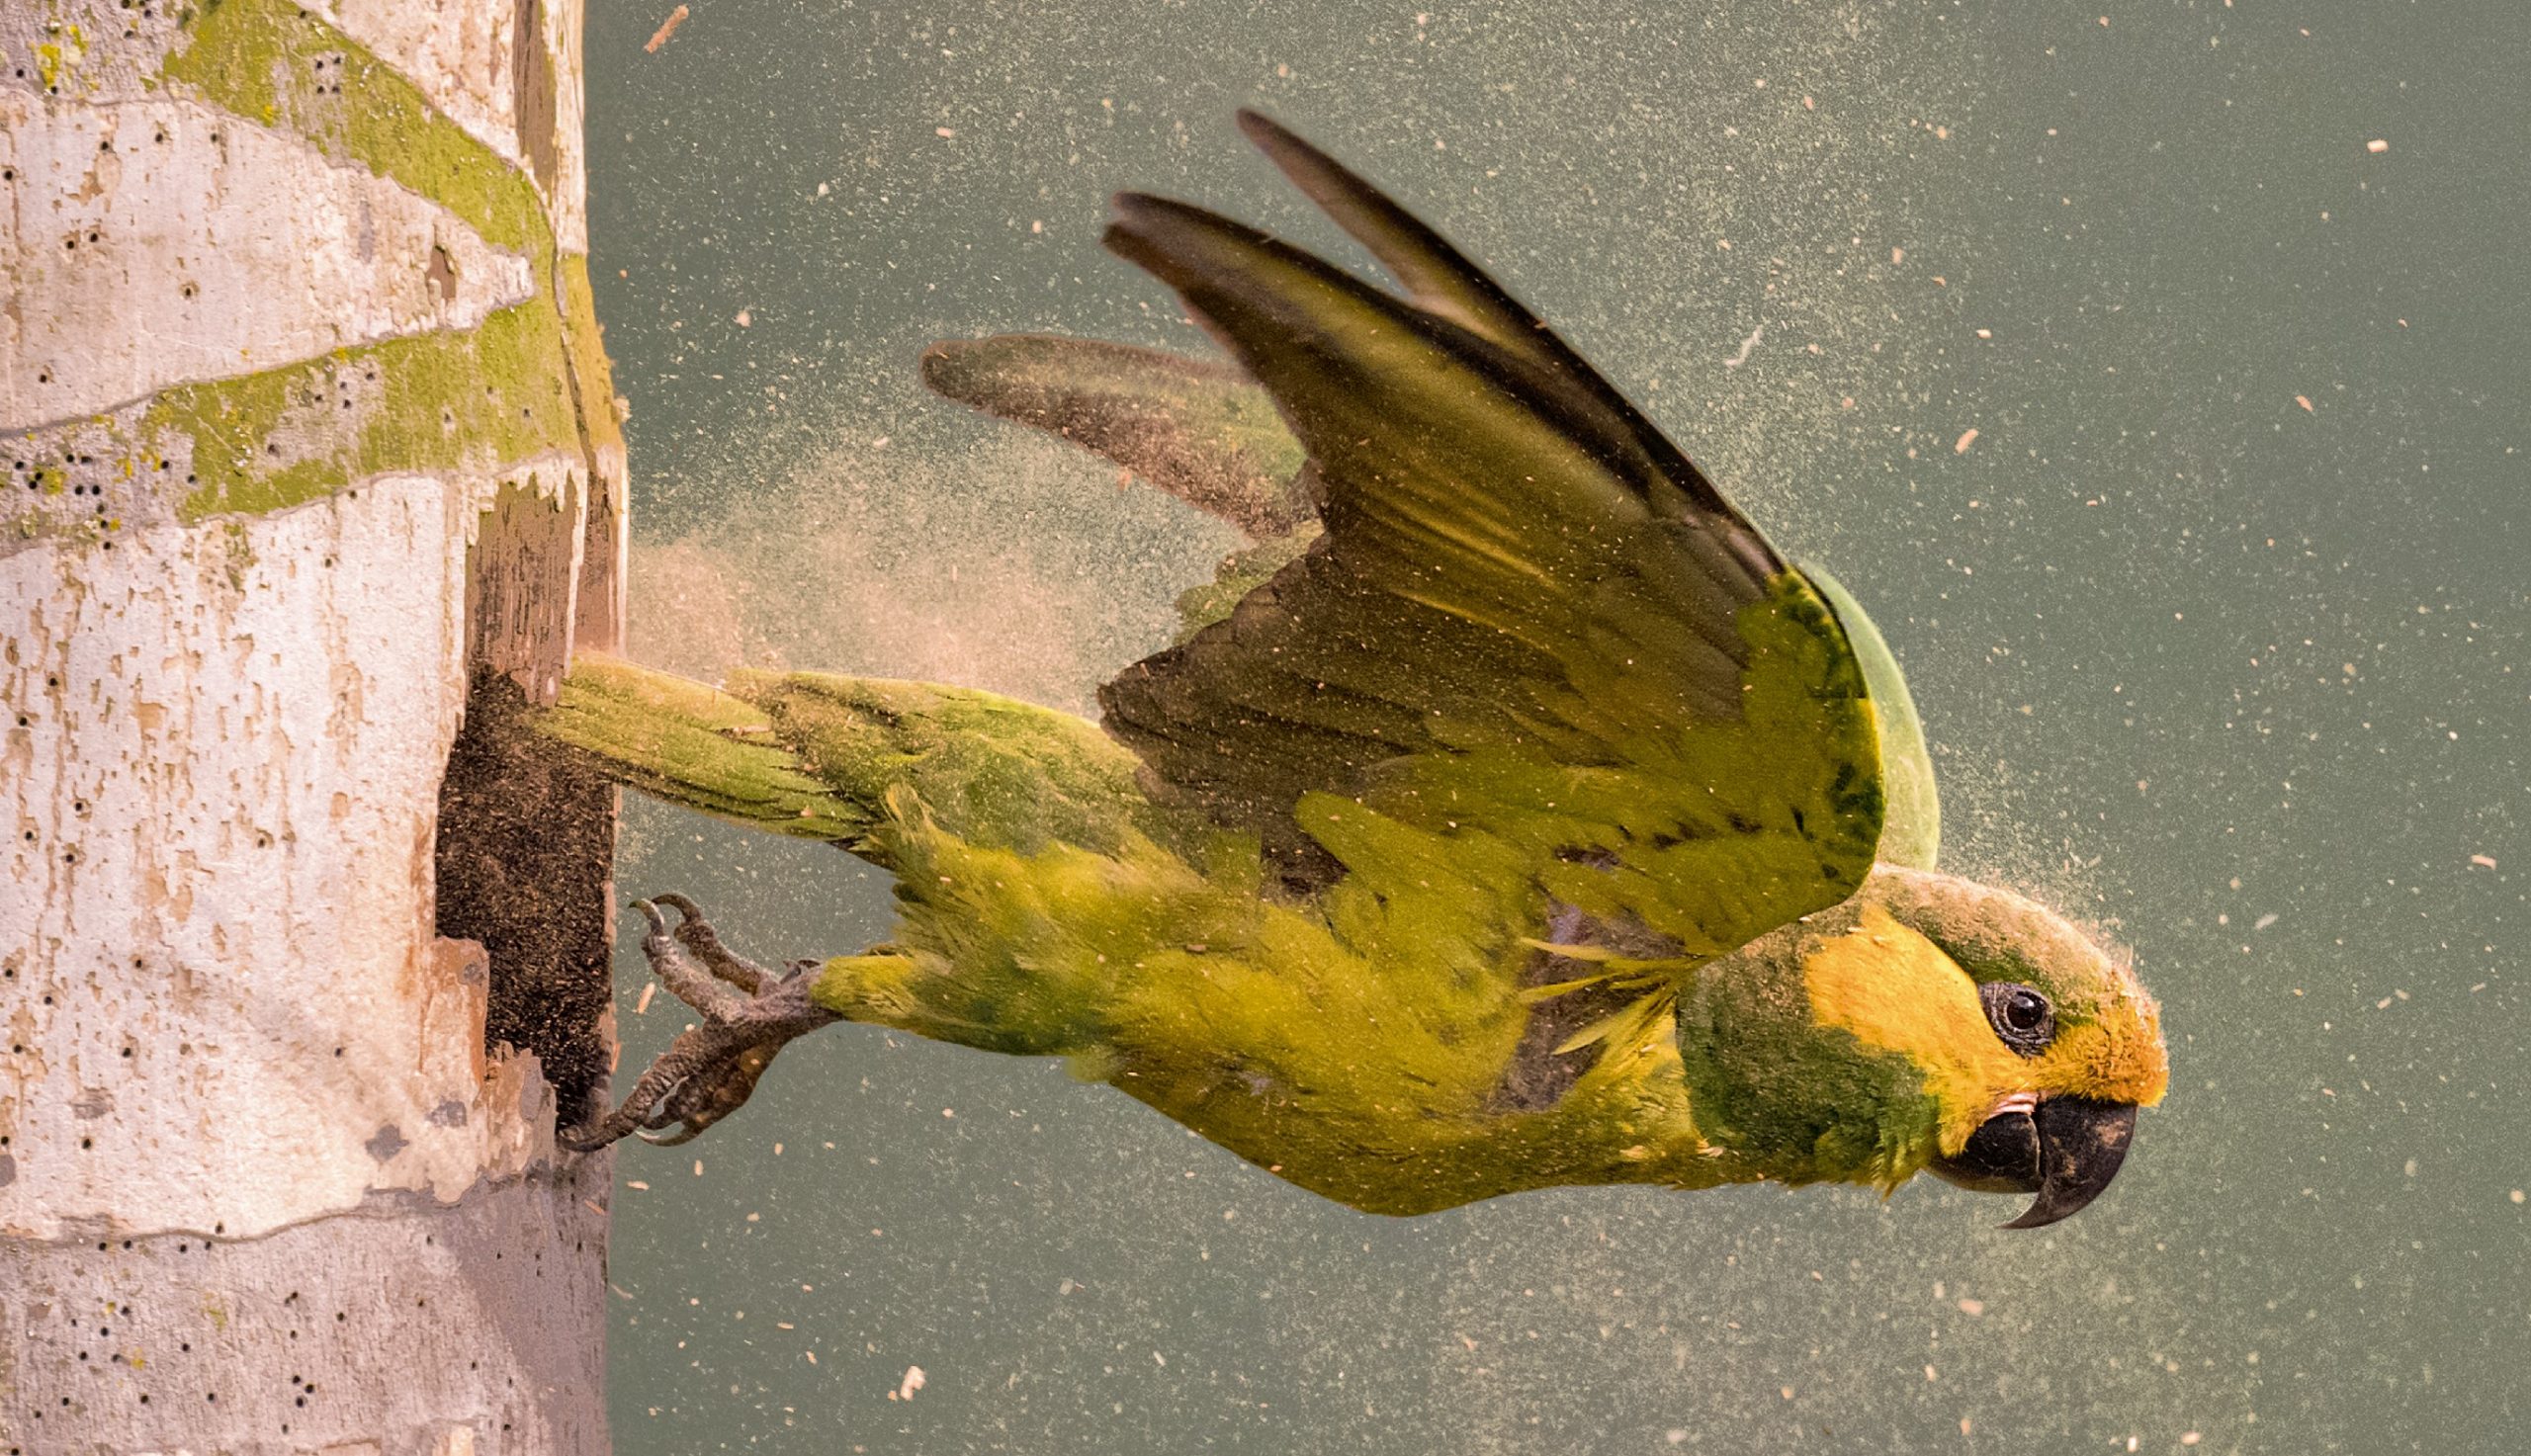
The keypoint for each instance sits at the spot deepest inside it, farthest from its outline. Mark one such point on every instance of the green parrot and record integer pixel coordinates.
(1510, 814)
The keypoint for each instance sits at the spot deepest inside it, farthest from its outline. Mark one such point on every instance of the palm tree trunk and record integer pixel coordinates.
(312, 480)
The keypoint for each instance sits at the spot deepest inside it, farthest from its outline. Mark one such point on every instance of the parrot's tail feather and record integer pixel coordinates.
(854, 761)
(701, 748)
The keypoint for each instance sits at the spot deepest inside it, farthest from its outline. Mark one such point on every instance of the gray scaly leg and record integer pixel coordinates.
(712, 1069)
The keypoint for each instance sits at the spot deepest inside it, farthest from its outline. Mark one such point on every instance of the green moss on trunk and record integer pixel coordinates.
(529, 380)
(280, 66)
(431, 401)
(591, 376)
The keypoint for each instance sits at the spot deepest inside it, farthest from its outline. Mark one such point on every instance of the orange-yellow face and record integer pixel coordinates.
(2036, 1046)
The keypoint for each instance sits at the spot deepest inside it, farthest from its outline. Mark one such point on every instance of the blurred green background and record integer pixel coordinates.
(2218, 626)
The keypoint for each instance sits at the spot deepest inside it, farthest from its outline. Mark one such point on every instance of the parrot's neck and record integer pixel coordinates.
(1798, 1099)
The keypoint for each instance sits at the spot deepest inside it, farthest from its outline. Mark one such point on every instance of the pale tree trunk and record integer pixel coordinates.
(306, 427)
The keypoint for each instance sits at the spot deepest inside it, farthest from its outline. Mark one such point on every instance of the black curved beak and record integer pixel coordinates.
(2066, 1152)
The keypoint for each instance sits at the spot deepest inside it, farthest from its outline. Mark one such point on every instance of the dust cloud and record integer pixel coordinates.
(983, 558)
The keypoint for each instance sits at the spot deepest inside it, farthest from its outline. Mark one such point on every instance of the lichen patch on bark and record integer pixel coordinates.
(280, 66)
(459, 402)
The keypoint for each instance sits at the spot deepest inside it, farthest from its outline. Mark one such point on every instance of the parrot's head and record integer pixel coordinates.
(1929, 1023)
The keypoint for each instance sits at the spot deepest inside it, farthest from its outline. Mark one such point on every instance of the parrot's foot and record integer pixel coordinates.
(710, 1069)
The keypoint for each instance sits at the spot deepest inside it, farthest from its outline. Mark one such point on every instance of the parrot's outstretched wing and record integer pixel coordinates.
(1193, 427)
(1529, 617)
(1203, 433)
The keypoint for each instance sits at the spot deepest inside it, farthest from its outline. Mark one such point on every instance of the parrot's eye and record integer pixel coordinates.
(2022, 1016)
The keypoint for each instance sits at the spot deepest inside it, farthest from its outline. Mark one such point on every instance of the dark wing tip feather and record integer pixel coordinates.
(957, 369)
(1144, 220)
(1436, 275)
(1258, 294)
(1260, 127)
(1445, 282)
(1155, 234)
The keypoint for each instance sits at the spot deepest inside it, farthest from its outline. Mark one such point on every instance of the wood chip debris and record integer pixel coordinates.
(668, 27)
(1756, 336)
(1966, 438)
(2305, 400)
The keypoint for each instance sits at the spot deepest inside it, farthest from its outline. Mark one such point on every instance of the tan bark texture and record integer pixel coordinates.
(311, 474)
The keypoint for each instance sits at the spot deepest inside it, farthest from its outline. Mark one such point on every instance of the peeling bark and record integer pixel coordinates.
(275, 1343)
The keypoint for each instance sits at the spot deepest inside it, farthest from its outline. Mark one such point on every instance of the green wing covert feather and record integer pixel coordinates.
(1911, 823)
(1527, 618)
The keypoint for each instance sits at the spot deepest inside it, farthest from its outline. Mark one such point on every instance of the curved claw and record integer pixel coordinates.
(696, 934)
(685, 909)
